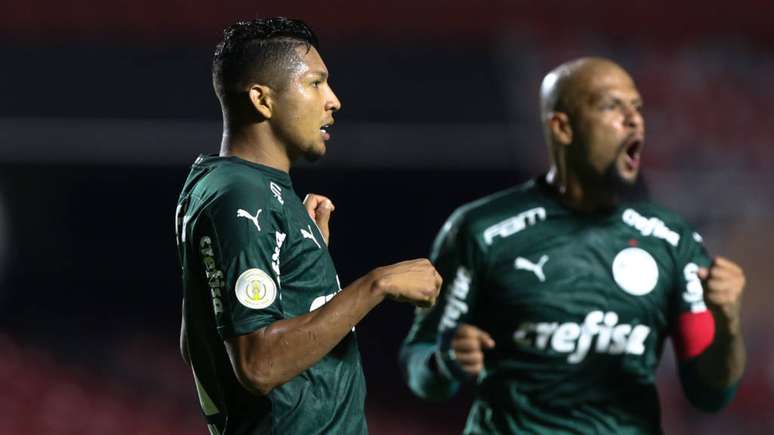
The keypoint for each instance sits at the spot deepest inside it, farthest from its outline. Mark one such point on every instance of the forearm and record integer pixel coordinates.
(710, 379)
(275, 354)
(722, 364)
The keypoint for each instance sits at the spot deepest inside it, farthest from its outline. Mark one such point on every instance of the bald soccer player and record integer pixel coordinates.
(560, 293)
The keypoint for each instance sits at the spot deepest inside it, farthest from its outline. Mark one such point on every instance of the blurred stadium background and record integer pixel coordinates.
(103, 105)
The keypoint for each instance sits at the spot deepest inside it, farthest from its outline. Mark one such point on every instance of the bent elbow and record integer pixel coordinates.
(256, 379)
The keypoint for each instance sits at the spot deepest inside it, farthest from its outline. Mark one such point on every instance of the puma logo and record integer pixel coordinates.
(309, 235)
(524, 264)
(254, 219)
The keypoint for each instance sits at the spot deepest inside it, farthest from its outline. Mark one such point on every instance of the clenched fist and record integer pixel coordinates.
(413, 281)
(320, 208)
(724, 283)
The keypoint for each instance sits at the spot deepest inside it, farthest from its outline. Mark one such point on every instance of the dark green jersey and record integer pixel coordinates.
(250, 256)
(579, 307)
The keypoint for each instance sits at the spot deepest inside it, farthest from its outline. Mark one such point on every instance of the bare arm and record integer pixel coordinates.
(276, 353)
(722, 364)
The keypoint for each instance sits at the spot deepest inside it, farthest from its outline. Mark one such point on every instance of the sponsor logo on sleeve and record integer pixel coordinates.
(456, 304)
(635, 271)
(693, 294)
(255, 289)
(215, 279)
(514, 224)
(275, 257)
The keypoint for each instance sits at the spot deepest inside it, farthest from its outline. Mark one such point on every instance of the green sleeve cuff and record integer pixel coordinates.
(416, 361)
(702, 396)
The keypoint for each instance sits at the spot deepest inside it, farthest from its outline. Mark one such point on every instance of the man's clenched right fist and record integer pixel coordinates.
(413, 281)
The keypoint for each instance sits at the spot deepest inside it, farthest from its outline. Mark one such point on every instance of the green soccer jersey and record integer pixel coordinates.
(250, 256)
(579, 307)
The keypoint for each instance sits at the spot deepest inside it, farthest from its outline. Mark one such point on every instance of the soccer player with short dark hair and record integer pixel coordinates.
(267, 329)
(560, 293)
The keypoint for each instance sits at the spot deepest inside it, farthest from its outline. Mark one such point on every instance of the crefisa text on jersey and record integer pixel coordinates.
(576, 339)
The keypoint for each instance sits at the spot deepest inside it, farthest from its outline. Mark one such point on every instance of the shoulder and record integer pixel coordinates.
(227, 178)
(227, 188)
(476, 219)
(231, 183)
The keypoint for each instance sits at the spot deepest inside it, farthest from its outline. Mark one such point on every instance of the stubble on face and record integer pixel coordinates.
(602, 99)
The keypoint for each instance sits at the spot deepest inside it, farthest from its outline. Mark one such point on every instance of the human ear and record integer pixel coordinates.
(560, 127)
(261, 100)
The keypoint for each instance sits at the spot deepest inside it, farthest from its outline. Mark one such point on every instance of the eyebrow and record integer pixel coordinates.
(321, 74)
(595, 98)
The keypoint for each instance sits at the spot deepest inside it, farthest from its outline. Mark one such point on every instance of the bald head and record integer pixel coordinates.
(593, 123)
(566, 84)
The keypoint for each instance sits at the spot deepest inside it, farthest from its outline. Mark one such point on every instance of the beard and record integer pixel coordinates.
(624, 189)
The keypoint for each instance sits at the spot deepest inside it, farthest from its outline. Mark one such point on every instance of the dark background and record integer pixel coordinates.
(103, 106)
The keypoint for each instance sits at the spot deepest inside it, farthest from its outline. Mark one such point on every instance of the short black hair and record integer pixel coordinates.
(258, 51)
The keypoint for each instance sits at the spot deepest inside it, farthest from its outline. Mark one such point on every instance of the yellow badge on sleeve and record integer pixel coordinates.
(255, 289)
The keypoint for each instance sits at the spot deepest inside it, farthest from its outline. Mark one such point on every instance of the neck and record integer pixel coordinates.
(578, 195)
(254, 143)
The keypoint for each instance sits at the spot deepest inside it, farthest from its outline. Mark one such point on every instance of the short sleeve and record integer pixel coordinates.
(692, 326)
(240, 236)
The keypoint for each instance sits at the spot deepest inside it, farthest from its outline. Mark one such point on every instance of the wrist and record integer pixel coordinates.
(377, 285)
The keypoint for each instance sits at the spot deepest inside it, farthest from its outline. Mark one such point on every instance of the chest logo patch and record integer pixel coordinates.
(524, 264)
(255, 289)
(254, 219)
(635, 271)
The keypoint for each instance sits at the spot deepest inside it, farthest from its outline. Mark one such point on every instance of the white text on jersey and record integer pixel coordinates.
(694, 292)
(275, 257)
(650, 226)
(514, 224)
(215, 278)
(456, 304)
(576, 339)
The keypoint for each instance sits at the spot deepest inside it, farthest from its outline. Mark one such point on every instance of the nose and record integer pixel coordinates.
(332, 103)
(633, 117)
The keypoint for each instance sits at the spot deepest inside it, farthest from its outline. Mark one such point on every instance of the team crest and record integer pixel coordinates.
(255, 289)
(635, 271)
